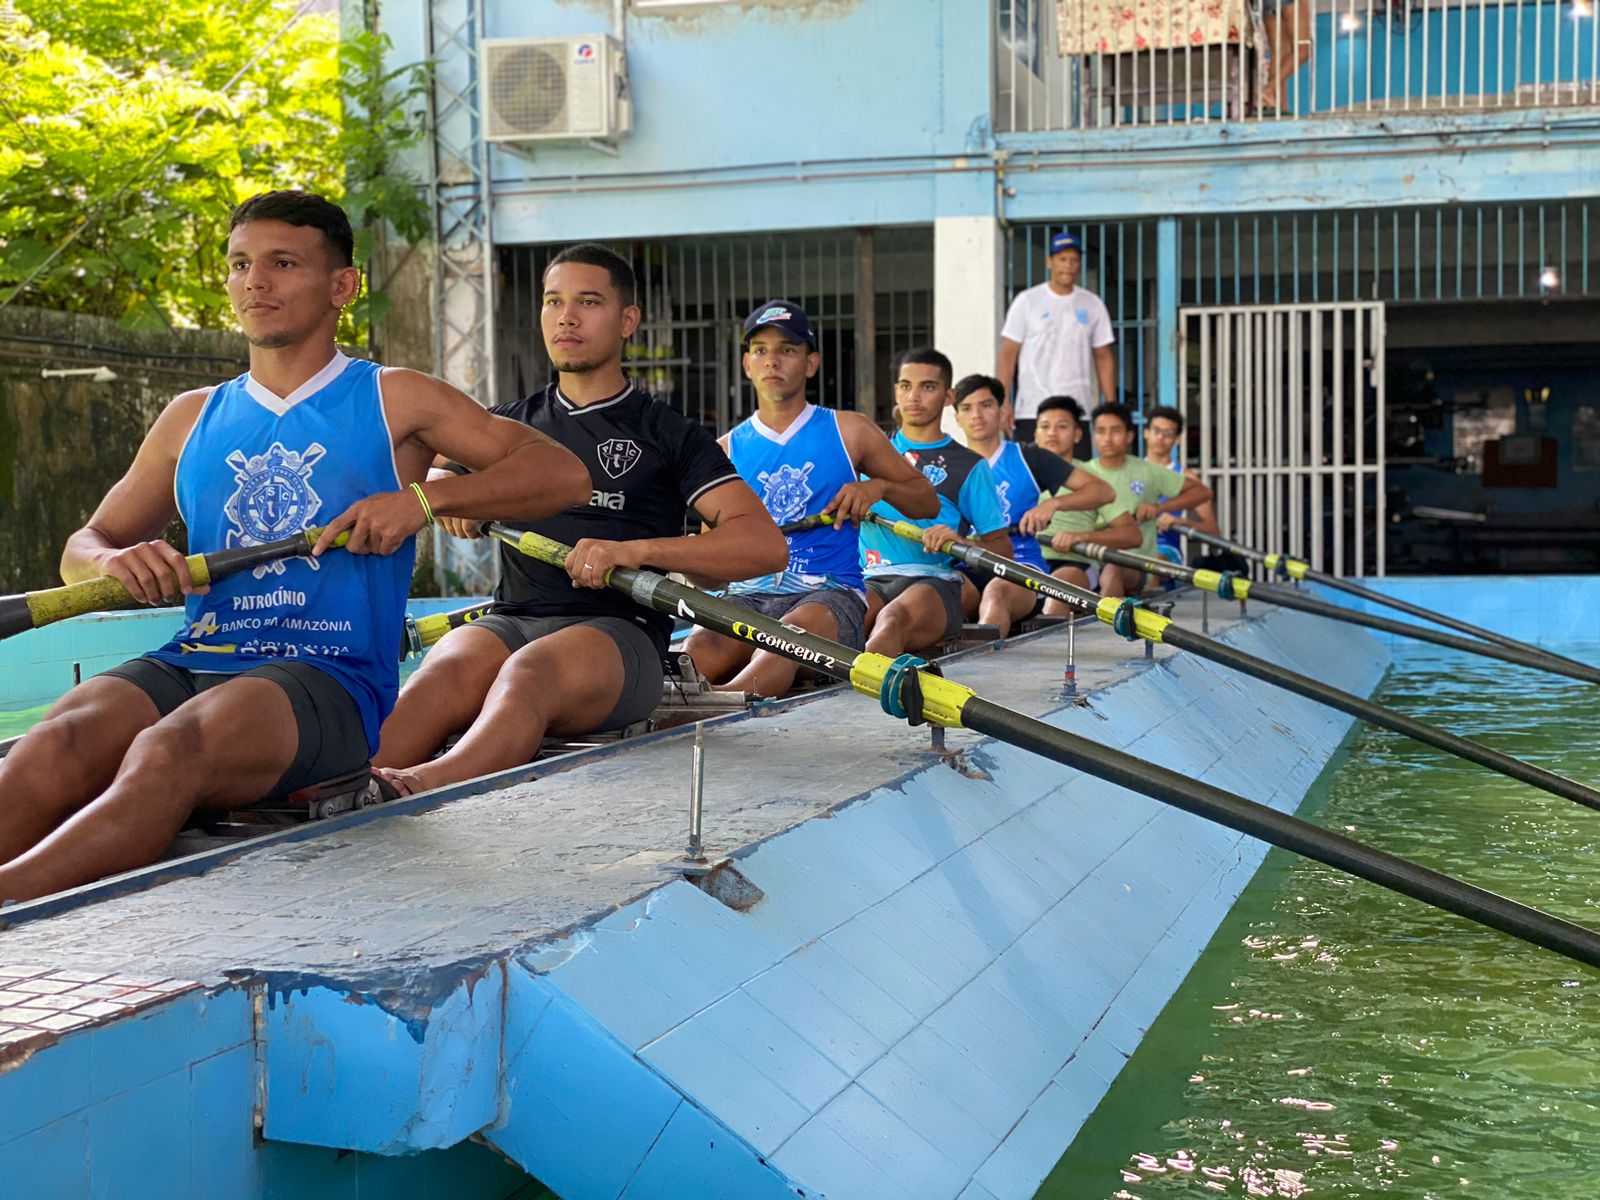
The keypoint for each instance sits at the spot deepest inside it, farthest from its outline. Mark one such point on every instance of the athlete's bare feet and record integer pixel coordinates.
(405, 783)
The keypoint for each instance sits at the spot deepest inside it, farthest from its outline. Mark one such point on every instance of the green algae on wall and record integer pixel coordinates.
(65, 440)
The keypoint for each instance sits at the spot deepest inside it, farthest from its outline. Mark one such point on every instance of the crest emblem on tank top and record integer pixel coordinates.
(274, 498)
(617, 456)
(785, 492)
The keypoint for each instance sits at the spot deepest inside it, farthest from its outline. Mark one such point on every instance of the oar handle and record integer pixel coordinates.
(105, 593)
(422, 632)
(814, 521)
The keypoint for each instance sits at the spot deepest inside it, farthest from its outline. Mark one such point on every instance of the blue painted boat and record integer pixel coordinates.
(909, 971)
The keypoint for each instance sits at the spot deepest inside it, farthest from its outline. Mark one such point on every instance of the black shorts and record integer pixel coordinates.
(891, 587)
(332, 737)
(848, 608)
(1038, 597)
(642, 671)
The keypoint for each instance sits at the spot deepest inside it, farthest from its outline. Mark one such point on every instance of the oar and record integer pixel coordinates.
(34, 609)
(1236, 587)
(1127, 618)
(422, 632)
(1294, 568)
(906, 690)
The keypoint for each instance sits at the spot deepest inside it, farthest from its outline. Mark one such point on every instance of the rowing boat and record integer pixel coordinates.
(900, 954)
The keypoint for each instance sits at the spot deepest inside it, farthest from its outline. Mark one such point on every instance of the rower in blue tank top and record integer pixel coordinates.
(914, 590)
(1162, 428)
(1027, 478)
(257, 468)
(278, 677)
(803, 461)
(797, 473)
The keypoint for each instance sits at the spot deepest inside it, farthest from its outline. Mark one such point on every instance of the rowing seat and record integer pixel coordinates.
(342, 794)
(976, 634)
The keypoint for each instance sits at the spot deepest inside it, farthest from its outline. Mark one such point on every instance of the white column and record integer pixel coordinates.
(968, 295)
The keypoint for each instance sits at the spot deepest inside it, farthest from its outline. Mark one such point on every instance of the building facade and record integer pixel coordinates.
(1377, 295)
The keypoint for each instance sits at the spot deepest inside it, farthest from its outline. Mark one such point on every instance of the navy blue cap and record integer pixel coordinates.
(1065, 241)
(784, 315)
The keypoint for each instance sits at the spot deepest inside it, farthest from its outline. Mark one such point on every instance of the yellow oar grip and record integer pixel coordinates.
(942, 699)
(1211, 581)
(75, 599)
(1146, 624)
(1292, 567)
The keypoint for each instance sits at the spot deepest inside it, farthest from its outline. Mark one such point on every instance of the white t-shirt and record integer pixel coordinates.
(1059, 335)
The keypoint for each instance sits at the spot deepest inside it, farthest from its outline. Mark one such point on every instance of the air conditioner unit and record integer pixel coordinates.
(554, 89)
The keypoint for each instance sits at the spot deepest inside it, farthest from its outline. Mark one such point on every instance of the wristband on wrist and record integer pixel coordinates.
(427, 509)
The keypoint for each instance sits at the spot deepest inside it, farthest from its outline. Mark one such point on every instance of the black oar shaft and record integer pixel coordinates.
(1289, 598)
(1379, 715)
(1284, 597)
(1301, 570)
(1291, 833)
(1157, 628)
(34, 609)
(946, 702)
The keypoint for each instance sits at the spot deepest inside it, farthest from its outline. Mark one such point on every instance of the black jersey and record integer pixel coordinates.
(1050, 470)
(648, 464)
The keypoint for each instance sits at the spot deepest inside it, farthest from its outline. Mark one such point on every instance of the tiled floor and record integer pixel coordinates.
(38, 1002)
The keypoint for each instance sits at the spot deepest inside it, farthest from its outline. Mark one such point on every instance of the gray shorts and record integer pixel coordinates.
(332, 738)
(642, 672)
(891, 587)
(848, 608)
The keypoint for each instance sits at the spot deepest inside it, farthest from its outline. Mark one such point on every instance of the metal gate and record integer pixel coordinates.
(1287, 402)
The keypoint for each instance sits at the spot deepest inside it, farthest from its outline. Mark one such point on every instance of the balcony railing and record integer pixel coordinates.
(1085, 64)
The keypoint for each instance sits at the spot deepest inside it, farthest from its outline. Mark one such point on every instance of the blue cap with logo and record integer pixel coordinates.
(1065, 241)
(784, 315)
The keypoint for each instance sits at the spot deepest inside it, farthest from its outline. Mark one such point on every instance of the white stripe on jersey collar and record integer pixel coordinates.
(795, 426)
(278, 405)
(578, 410)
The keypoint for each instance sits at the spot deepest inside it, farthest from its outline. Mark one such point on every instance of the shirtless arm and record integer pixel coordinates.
(122, 537)
(889, 476)
(516, 472)
(740, 542)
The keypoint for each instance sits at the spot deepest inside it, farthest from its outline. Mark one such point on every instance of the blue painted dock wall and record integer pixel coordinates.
(936, 988)
(1526, 607)
(942, 979)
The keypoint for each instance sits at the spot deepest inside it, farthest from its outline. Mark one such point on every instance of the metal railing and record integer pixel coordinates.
(1085, 64)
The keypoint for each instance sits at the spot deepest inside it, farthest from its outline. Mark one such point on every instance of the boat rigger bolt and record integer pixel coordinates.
(1070, 674)
(697, 792)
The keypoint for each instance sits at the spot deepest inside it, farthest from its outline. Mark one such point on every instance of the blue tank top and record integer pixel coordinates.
(256, 469)
(968, 503)
(1019, 491)
(797, 473)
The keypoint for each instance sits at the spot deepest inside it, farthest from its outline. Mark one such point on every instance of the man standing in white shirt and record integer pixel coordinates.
(1056, 341)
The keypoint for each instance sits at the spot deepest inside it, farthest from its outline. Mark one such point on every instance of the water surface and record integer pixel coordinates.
(1339, 1040)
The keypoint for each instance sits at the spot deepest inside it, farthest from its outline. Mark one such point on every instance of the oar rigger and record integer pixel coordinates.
(954, 705)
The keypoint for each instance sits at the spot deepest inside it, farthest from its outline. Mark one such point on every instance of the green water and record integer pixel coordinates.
(19, 720)
(1338, 1040)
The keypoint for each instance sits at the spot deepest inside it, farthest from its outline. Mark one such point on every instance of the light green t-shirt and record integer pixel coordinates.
(1136, 482)
(1083, 520)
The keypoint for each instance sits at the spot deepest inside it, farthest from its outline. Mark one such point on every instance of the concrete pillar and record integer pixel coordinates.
(968, 294)
(1167, 283)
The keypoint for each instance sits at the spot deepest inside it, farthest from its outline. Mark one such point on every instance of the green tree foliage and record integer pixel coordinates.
(129, 130)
